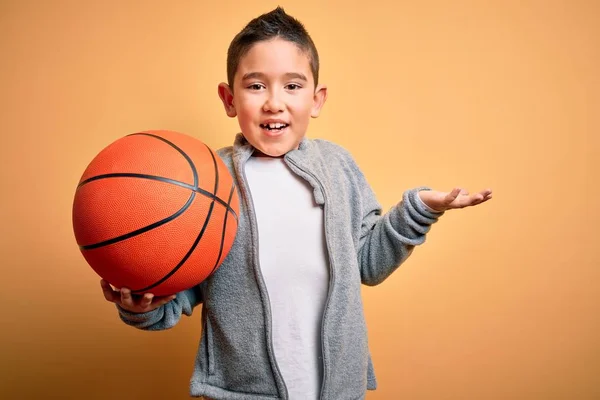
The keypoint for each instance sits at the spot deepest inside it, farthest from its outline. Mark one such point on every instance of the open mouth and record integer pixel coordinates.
(276, 127)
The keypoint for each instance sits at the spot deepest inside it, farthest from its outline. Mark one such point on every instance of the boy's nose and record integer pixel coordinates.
(273, 103)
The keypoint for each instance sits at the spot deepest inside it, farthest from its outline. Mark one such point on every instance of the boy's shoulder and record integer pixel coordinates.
(328, 145)
(225, 151)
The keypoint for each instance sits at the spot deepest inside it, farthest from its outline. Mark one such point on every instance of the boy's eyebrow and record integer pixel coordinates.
(260, 75)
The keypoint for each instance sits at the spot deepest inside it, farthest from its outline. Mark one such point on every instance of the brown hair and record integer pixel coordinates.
(275, 24)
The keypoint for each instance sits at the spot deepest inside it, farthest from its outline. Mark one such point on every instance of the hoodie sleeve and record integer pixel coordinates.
(167, 315)
(387, 240)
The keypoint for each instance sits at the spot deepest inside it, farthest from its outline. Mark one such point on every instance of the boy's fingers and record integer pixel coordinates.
(452, 195)
(477, 200)
(484, 196)
(126, 297)
(146, 300)
(481, 197)
(109, 293)
(460, 198)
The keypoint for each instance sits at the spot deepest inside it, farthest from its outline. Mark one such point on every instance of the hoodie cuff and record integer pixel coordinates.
(131, 317)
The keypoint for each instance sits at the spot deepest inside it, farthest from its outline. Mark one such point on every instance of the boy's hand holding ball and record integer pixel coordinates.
(134, 303)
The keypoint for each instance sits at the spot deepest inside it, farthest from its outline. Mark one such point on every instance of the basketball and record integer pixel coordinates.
(156, 212)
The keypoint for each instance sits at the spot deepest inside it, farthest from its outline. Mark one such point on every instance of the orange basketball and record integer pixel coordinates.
(156, 212)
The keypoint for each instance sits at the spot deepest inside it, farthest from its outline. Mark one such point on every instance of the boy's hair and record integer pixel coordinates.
(275, 24)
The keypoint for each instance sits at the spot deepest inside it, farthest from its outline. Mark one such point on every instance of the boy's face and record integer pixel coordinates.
(273, 96)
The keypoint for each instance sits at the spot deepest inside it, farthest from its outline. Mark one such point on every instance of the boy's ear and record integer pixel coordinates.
(318, 100)
(226, 95)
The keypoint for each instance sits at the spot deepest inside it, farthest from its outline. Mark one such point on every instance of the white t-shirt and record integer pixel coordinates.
(295, 267)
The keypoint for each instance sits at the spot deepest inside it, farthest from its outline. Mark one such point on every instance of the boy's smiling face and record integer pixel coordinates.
(273, 96)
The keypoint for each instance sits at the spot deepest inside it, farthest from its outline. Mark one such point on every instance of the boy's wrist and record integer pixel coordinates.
(423, 202)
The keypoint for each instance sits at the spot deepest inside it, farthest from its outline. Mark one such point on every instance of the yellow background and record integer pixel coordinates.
(503, 300)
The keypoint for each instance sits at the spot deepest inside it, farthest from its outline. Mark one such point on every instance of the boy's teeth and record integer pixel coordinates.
(276, 125)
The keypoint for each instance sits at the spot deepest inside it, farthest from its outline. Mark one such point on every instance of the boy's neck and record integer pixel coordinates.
(258, 153)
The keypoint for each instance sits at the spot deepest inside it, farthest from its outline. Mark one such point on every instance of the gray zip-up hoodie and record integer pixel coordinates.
(235, 359)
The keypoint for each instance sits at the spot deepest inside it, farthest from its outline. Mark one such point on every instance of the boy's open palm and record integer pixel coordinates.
(457, 198)
(133, 302)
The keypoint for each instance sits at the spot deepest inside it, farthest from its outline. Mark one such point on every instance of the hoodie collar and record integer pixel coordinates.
(300, 160)
(242, 149)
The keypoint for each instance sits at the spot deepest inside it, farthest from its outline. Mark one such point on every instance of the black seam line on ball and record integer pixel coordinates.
(216, 170)
(158, 223)
(172, 181)
(199, 237)
(141, 230)
(173, 145)
(184, 259)
(224, 230)
(161, 179)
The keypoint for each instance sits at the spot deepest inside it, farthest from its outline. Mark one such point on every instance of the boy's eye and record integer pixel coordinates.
(255, 86)
(293, 86)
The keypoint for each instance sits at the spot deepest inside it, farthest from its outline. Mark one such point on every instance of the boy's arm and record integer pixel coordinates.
(386, 241)
(167, 315)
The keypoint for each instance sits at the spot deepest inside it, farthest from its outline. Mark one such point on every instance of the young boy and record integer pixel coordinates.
(283, 317)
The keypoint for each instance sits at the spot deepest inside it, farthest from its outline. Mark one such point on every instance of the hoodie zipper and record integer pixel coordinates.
(331, 272)
(259, 276)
